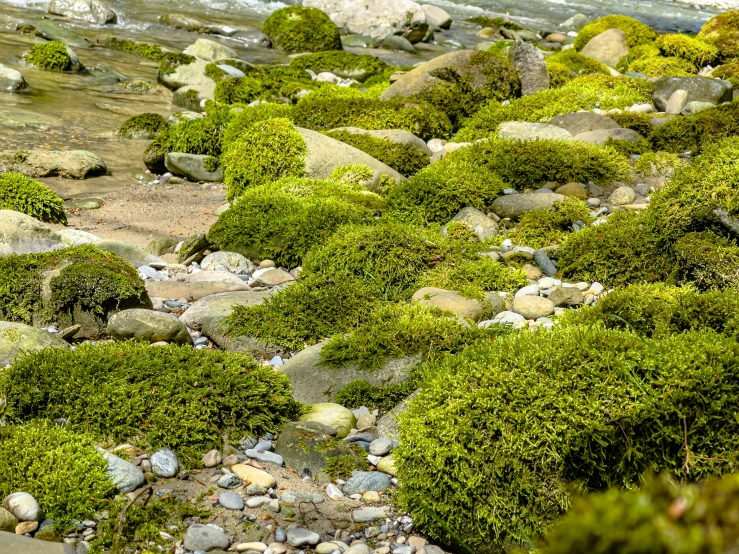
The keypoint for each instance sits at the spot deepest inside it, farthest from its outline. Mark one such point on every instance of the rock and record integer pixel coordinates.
(253, 475)
(387, 465)
(230, 481)
(677, 102)
(533, 307)
(135, 256)
(92, 11)
(387, 425)
(23, 506)
(26, 527)
(291, 497)
(514, 205)
(161, 245)
(297, 537)
(11, 543)
(70, 164)
(573, 190)
(701, 89)
(608, 47)
(450, 301)
(272, 277)
(230, 260)
(51, 30)
(192, 74)
(397, 136)
(210, 50)
(17, 339)
(335, 416)
(8, 521)
(231, 501)
(22, 234)
(191, 97)
(180, 21)
(148, 325)
(164, 463)
(264, 456)
(11, 80)
(566, 296)
(521, 130)
(398, 44)
(309, 445)
(381, 447)
(332, 491)
(192, 166)
(196, 286)
(212, 458)
(582, 122)
(600, 136)
(125, 475)
(622, 195)
(695, 107)
(476, 221)
(363, 481)
(365, 515)
(205, 538)
(531, 67)
(543, 261)
(437, 16)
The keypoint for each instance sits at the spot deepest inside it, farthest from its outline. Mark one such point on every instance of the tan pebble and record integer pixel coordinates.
(417, 542)
(253, 475)
(230, 460)
(383, 550)
(278, 548)
(401, 540)
(160, 343)
(256, 546)
(371, 496)
(26, 527)
(90, 538)
(264, 516)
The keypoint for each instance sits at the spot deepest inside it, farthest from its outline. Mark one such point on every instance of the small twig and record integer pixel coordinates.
(686, 465)
(118, 533)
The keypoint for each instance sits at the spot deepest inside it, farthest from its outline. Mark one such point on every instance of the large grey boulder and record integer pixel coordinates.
(192, 166)
(17, 339)
(22, 234)
(148, 325)
(581, 122)
(125, 475)
(532, 69)
(92, 11)
(20, 544)
(397, 136)
(70, 164)
(210, 50)
(600, 136)
(134, 256)
(522, 130)
(387, 425)
(11, 80)
(191, 74)
(699, 89)
(608, 47)
(514, 205)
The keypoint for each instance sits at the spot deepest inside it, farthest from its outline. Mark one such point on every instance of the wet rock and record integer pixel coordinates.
(148, 325)
(180, 21)
(17, 339)
(700, 89)
(210, 50)
(191, 97)
(52, 30)
(125, 475)
(22, 234)
(70, 164)
(521, 130)
(398, 44)
(193, 166)
(531, 67)
(358, 41)
(11, 79)
(92, 11)
(450, 301)
(582, 122)
(608, 47)
(191, 74)
(437, 16)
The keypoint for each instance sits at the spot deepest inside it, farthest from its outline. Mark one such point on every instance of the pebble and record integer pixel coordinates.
(212, 458)
(529, 290)
(291, 497)
(257, 501)
(363, 481)
(371, 496)
(256, 490)
(265, 456)
(381, 447)
(231, 501)
(374, 460)
(359, 549)
(334, 492)
(280, 535)
(164, 463)
(543, 261)
(364, 437)
(365, 515)
(23, 506)
(253, 475)
(255, 546)
(230, 481)
(26, 527)
(205, 538)
(297, 537)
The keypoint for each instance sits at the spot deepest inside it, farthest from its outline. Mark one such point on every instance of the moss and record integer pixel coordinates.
(145, 125)
(268, 151)
(707, 260)
(89, 278)
(60, 468)
(327, 113)
(375, 397)
(722, 31)
(637, 53)
(175, 397)
(576, 62)
(486, 21)
(582, 93)
(559, 74)
(302, 29)
(627, 147)
(50, 55)
(536, 416)
(695, 132)
(473, 277)
(622, 251)
(170, 62)
(279, 84)
(344, 64)
(341, 467)
(663, 67)
(282, 221)
(246, 117)
(148, 51)
(352, 174)
(540, 228)
(405, 158)
(21, 194)
(728, 71)
(658, 164)
(636, 121)
(636, 32)
(695, 51)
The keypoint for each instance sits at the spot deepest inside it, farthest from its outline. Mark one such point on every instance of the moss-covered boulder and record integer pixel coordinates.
(658, 67)
(52, 55)
(302, 29)
(544, 227)
(722, 31)
(17, 339)
(343, 64)
(637, 33)
(277, 84)
(24, 195)
(695, 132)
(404, 156)
(699, 89)
(697, 52)
(707, 260)
(143, 126)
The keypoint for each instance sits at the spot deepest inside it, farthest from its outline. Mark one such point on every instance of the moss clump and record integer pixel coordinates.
(246, 117)
(170, 62)
(728, 71)
(695, 51)
(148, 51)
(60, 468)
(627, 147)
(559, 74)
(405, 158)
(268, 151)
(343, 64)
(658, 164)
(21, 194)
(176, 397)
(302, 29)
(582, 93)
(495, 22)
(143, 126)
(282, 221)
(722, 31)
(341, 467)
(579, 64)
(695, 132)
(278, 84)
(352, 174)
(536, 416)
(375, 397)
(540, 228)
(663, 67)
(639, 122)
(636, 32)
(84, 277)
(50, 55)
(637, 53)
(707, 260)
(622, 251)
(326, 113)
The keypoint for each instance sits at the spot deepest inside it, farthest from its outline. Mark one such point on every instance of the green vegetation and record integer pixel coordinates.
(695, 132)
(149, 51)
(540, 228)
(342, 466)
(707, 260)
(536, 416)
(581, 65)
(473, 277)
(176, 397)
(695, 51)
(343, 64)
(278, 84)
(302, 29)
(559, 74)
(143, 126)
(405, 158)
(722, 31)
(383, 397)
(170, 62)
(663, 67)
(243, 119)
(21, 194)
(639, 122)
(636, 32)
(728, 71)
(658, 164)
(52, 55)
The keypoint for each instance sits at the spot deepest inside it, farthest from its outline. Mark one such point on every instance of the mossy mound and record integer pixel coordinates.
(697, 52)
(582, 93)
(658, 66)
(559, 74)
(59, 467)
(636, 32)
(276, 84)
(535, 416)
(405, 158)
(145, 125)
(728, 71)
(577, 63)
(323, 114)
(722, 31)
(639, 122)
(176, 397)
(343, 64)
(282, 221)
(171, 61)
(658, 164)
(51, 55)
(302, 29)
(707, 260)
(245, 118)
(148, 51)
(540, 228)
(693, 133)
(52, 286)
(268, 150)
(21, 194)
(473, 277)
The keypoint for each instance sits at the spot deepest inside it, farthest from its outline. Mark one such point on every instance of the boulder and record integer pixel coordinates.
(191, 74)
(191, 97)
(476, 221)
(51, 30)
(397, 136)
(17, 339)
(337, 417)
(196, 286)
(11, 79)
(533, 307)
(70, 164)
(135, 256)
(309, 445)
(521, 130)
(210, 50)
(22, 234)
(514, 205)
(272, 277)
(532, 68)
(192, 166)
(92, 11)
(600, 136)
(75, 237)
(437, 16)
(582, 122)
(450, 301)
(125, 476)
(699, 89)
(148, 325)
(19, 544)
(608, 47)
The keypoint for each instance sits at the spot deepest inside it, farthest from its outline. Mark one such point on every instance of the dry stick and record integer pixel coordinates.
(686, 465)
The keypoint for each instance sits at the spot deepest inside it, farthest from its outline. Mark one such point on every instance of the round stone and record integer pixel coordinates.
(533, 307)
(23, 506)
(164, 463)
(231, 501)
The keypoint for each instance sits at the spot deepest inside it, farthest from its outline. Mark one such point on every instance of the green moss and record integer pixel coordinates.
(581, 65)
(627, 147)
(473, 277)
(636, 32)
(60, 468)
(302, 29)
(149, 51)
(176, 397)
(344, 64)
(722, 31)
(637, 53)
(246, 117)
(707, 260)
(145, 125)
(663, 67)
(405, 158)
(50, 55)
(559, 74)
(728, 71)
(341, 467)
(658, 164)
(695, 51)
(540, 228)
(536, 416)
(327, 113)
(282, 221)
(352, 174)
(582, 93)
(280, 84)
(268, 151)
(375, 397)
(21, 194)
(636, 121)
(695, 132)
(170, 62)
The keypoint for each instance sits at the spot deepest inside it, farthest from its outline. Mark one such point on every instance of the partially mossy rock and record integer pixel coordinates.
(24, 195)
(277, 84)
(695, 132)
(180, 70)
(52, 55)
(343, 64)
(149, 51)
(540, 228)
(199, 398)
(143, 126)
(658, 164)
(17, 339)
(697, 52)
(406, 159)
(636, 32)
(602, 408)
(577, 63)
(658, 66)
(459, 82)
(642, 123)
(313, 446)
(473, 277)
(728, 71)
(302, 29)
(722, 31)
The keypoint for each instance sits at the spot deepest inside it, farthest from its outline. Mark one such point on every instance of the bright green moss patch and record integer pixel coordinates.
(59, 467)
(344, 64)
(375, 397)
(636, 121)
(170, 62)
(559, 74)
(663, 67)
(145, 125)
(535, 416)
(302, 29)
(176, 397)
(149, 51)
(707, 260)
(246, 117)
(405, 158)
(473, 277)
(636, 32)
(50, 55)
(658, 164)
(628, 148)
(579, 64)
(695, 51)
(722, 31)
(695, 132)
(21, 194)
(279, 84)
(540, 228)
(341, 467)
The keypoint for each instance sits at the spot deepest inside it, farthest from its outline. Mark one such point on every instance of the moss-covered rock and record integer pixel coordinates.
(343, 64)
(693, 133)
(697, 52)
(143, 126)
(579, 64)
(302, 29)
(728, 71)
(658, 66)
(149, 51)
(639, 122)
(51, 55)
(559, 74)
(707, 260)
(722, 31)
(21, 194)
(636, 32)
(540, 228)
(405, 158)
(658, 164)
(169, 63)
(277, 84)
(245, 118)
(472, 278)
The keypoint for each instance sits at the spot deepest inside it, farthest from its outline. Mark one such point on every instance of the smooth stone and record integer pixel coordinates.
(333, 415)
(205, 538)
(363, 481)
(437, 16)
(608, 47)
(387, 465)
(334, 492)
(192, 166)
(677, 102)
(231, 501)
(481, 225)
(291, 497)
(22, 234)
(68, 164)
(250, 546)
(272, 277)
(212, 458)
(17, 339)
(515, 205)
(566, 296)
(148, 325)
(264, 456)
(528, 290)
(10, 543)
(196, 286)
(230, 260)
(449, 300)
(135, 256)
(297, 537)
(210, 50)
(23, 506)
(125, 476)
(75, 237)
(11, 80)
(696, 106)
(164, 463)
(253, 475)
(358, 548)
(381, 447)
(532, 307)
(367, 514)
(622, 195)
(700, 89)
(521, 130)
(573, 190)
(582, 122)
